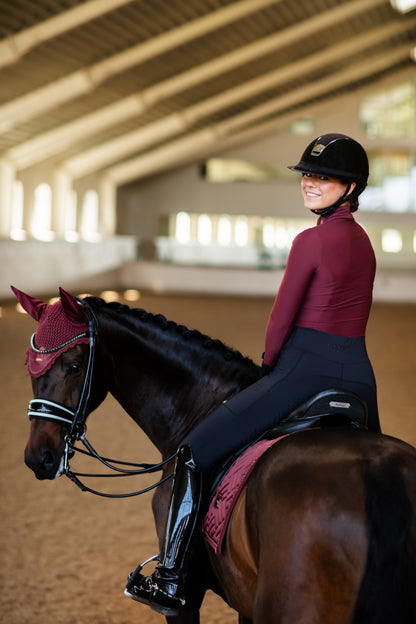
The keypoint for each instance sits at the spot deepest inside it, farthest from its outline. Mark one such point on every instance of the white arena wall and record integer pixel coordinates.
(39, 268)
(390, 285)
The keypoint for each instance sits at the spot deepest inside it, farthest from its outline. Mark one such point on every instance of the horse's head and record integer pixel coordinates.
(60, 366)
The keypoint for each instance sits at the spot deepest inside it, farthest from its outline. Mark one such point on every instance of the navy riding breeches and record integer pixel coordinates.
(310, 361)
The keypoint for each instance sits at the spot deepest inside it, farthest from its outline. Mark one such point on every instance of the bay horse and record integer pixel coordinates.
(325, 529)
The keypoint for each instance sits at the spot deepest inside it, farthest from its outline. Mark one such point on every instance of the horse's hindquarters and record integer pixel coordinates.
(296, 547)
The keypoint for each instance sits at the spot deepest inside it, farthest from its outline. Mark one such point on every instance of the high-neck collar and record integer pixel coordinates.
(342, 212)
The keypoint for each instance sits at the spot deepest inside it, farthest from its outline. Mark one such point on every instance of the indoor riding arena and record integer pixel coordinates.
(144, 149)
(66, 553)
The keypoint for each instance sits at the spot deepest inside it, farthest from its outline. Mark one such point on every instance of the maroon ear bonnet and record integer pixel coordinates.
(62, 325)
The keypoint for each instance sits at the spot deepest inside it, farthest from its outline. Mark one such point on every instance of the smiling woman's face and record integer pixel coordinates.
(319, 191)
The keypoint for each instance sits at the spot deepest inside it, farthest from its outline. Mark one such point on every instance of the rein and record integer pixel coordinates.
(121, 472)
(75, 421)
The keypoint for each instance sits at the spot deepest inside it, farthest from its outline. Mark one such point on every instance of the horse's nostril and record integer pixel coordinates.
(47, 459)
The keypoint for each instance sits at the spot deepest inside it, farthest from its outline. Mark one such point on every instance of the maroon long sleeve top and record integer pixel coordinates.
(327, 284)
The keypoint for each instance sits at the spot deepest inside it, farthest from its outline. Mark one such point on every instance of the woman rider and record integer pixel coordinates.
(315, 340)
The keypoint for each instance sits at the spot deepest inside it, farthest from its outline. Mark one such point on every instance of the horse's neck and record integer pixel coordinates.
(164, 390)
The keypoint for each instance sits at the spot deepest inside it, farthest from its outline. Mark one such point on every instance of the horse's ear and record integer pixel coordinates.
(33, 307)
(72, 309)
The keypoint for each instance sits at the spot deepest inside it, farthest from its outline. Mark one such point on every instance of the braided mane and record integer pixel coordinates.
(159, 321)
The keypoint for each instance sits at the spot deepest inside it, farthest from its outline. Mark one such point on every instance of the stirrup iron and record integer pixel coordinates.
(141, 565)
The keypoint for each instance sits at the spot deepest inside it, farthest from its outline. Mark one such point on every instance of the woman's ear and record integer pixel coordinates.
(352, 187)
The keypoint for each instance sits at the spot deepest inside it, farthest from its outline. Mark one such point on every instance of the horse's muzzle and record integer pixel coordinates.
(45, 463)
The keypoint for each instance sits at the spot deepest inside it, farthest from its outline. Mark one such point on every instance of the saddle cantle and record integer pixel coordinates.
(329, 408)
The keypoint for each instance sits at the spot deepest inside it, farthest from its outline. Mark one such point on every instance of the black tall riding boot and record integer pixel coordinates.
(164, 590)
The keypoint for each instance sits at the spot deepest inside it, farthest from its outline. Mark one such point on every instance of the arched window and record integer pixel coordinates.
(183, 227)
(90, 218)
(269, 234)
(42, 213)
(224, 230)
(16, 225)
(391, 240)
(241, 232)
(71, 233)
(204, 229)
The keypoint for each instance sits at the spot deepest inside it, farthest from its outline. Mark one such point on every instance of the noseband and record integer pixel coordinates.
(75, 419)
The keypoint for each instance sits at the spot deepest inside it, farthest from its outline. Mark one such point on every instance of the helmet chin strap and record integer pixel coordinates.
(330, 209)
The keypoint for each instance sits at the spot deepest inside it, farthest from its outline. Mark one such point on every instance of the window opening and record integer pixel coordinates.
(391, 241)
(71, 234)
(390, 113)
(16, 226)
(241, 232)
(183, 228)
(90, 217)
(204, 229)
(392, 183)
(42, 213)
(224, 230)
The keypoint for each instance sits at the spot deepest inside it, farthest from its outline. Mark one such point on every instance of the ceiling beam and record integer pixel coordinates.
(329, 84)
(216, 136)
(116, 149)
(14, 47)
(59, 139)
(79, 83)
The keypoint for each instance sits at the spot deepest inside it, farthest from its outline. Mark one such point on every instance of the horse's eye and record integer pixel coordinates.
(73, 368)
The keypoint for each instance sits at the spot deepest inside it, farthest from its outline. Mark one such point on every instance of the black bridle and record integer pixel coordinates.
(75, 421)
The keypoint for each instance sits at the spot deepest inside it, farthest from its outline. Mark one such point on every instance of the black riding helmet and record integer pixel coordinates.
(337, 156)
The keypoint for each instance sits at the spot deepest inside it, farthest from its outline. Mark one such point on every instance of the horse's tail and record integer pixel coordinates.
(388, 590)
